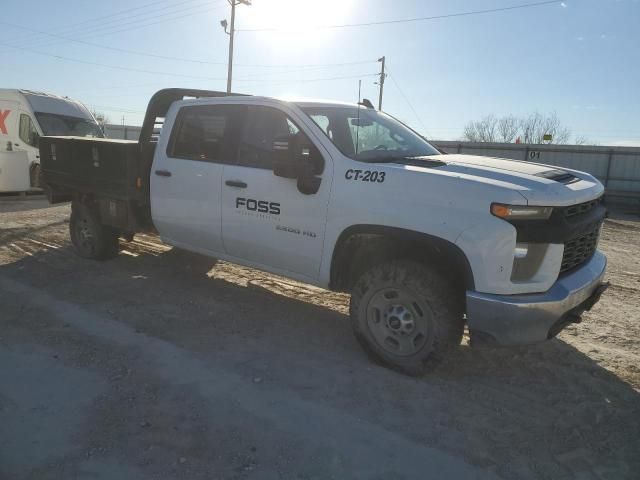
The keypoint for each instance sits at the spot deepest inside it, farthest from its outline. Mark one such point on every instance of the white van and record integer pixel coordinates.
(26, 115)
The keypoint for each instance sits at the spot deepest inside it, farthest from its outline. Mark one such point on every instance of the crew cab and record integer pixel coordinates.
(347, 198)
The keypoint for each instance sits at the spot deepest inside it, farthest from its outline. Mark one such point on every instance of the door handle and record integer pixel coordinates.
(236, 183)
(163, 173)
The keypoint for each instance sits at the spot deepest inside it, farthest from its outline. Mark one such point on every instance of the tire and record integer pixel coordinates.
(36, 177)
(406, 316)
(89, 237)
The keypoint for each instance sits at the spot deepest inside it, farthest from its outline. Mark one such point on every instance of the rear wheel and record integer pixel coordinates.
(90, 238)
(406, 316)
(36, 176)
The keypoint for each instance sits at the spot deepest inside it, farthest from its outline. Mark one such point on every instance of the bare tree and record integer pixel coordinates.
(508, 127)
(484, 130)
(582, 140)
(101, 118)
(531, 129)
(470, 133)
(551, 125)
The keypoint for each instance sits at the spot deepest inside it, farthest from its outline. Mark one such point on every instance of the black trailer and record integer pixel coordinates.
(108, 180)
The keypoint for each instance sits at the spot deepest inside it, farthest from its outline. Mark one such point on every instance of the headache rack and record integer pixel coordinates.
(153, 123)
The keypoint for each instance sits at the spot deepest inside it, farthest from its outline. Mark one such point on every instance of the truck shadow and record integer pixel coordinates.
(547, 407)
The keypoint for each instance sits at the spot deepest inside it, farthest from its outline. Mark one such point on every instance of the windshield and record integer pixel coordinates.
(53, 124)
(368, 135)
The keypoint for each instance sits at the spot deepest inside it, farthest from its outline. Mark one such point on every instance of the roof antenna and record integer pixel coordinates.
(358, 118)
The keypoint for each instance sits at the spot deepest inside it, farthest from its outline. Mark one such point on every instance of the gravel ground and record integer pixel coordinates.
(160, 364)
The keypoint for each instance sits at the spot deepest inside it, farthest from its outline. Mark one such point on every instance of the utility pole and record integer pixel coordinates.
(231, 33)
(381, 82)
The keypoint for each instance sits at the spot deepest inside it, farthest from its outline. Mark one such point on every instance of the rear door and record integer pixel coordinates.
(186, 177)
(266, 221)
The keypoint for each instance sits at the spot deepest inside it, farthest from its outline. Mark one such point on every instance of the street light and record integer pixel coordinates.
(230, 32)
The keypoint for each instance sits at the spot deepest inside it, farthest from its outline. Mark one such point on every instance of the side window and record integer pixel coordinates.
(372, 136)
(323, 122)
(262, 126)
(27, 131)
(200, 133)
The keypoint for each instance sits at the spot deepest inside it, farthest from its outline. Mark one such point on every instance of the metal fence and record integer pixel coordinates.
(122, 132)
(618, 168)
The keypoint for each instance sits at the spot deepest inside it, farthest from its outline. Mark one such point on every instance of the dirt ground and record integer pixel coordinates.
(164, 365)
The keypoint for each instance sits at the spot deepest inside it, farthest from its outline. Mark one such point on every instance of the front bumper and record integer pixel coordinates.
(532, 318)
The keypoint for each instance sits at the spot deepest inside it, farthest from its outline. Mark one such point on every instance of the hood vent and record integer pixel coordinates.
(425, 162)
(559, 176)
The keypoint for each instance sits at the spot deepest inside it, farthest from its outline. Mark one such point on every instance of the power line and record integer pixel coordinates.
(115, 49)
(113, 109)
(309, 80)
(149, 15)
(116, 67)
(115, 14)
(126, 110)
(172, 74)
(25, 37)
(90, 25)
(95, 31)
(408, 20)
(73, 28)
(303, 69)
(188, 60)
(406, 99)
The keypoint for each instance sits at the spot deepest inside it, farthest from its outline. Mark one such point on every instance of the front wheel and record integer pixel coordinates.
(406, 316)
(90, 238)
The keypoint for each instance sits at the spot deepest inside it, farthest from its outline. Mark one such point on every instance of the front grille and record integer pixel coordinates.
(579, 249)
(581, 208)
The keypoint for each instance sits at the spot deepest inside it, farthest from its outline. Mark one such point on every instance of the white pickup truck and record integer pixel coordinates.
(347, 198)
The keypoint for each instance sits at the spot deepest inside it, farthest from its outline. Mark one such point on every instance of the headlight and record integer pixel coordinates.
(519, 212)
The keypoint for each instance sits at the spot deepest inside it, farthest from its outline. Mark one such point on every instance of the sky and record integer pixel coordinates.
(577, 58)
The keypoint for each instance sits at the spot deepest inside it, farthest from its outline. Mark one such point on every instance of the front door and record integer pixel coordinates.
(186, 178)
(28, 137)
(265, 219)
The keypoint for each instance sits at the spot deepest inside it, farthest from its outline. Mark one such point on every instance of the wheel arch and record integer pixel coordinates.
(359, 247)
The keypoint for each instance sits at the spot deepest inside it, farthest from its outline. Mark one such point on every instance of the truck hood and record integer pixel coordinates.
(539, 184)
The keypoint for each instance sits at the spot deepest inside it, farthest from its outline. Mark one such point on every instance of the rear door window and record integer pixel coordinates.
(202, 133)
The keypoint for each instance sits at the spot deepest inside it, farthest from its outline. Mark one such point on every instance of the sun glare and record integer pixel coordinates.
(297, 15)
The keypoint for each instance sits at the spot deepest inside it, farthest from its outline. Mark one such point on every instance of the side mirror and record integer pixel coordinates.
(284, 162)
(295, 157)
